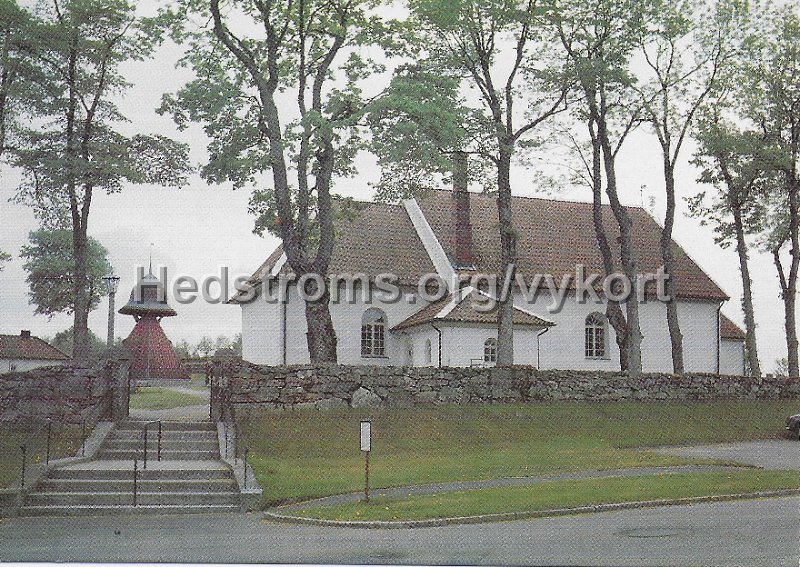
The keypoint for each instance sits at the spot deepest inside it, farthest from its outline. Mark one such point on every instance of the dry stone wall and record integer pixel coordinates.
(332, 386)
(63, 393)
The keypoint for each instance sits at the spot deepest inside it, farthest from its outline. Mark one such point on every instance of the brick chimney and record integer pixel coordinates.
(463, 255)
(25, 335)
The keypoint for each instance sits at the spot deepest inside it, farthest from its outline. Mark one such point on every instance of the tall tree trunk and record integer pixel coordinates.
(675, 335)
(751, 350)
(613, 309)
(508, 258)
(627, 258)
(321, 336)
(80, 325)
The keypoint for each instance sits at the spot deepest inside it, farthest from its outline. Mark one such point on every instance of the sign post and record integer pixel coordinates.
(366, 446)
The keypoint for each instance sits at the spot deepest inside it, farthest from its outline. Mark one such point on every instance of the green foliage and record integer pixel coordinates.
(50, 264)
(4, 257)
(63, 342)
(303, 454)
(487, 74)
(739, 164)
(321, 67)
(553, 495)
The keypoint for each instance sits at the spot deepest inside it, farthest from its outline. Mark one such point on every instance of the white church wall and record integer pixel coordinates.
(261, 332)
(346, 319)
(563, 346)
(24, 364)
(732, 357)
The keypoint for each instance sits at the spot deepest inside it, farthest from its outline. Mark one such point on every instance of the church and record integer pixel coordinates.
(453, 234)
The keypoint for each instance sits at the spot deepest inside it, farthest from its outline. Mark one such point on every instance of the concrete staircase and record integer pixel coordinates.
(190, 477)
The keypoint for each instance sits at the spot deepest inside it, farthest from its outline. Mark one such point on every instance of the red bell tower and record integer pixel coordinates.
(152, 354)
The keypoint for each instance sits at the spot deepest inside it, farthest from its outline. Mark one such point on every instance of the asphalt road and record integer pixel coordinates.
(761, 532)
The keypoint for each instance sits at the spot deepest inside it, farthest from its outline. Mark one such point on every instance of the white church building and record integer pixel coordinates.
(454, 234)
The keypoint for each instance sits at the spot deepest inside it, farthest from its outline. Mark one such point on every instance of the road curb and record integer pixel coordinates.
(509, 516)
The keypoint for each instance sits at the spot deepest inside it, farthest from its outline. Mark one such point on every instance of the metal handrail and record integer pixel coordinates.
(49, 436)
(144, 442)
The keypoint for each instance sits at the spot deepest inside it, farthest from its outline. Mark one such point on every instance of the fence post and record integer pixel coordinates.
(49, 433)
(145, 445)
(83, 438)
(135, 474)
(159, 440)
(24, 451)
(246, 450)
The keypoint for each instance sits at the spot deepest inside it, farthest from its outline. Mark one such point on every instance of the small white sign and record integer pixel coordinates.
(366, 435)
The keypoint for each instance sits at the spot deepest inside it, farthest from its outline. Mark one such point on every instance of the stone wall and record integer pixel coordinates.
(63, 393)
(328, 386)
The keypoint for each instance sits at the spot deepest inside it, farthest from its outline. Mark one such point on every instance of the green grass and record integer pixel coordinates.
(65, 442)
(559, 494)
(197, 382)
(163, 398)
(303, 454)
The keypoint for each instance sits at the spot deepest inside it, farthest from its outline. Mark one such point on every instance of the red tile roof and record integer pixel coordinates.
(555, 236)
(465, 312)
(730, 330)
(30, 348)
(375, 238)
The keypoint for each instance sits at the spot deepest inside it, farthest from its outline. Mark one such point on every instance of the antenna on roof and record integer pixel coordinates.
(151, 259)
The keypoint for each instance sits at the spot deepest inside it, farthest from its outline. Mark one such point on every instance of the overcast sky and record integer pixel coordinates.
(199, 229)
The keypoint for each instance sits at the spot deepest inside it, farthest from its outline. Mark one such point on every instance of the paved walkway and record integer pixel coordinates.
(777, 454)
(183, 413)
(439, 488)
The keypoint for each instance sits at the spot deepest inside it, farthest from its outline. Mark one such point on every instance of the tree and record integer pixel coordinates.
(74, 149)
(686, 46)
(183, 349)
(770, 92)
(281, 91)
(63, 341)
(599, 37)
(738, 164)
(504, 53)
(205, 347)
(50, 266)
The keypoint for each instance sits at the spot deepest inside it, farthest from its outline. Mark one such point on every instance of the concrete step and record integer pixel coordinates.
(167, 426)
(159, 485)
(152, 454)
(134, 434)
(152, 473)
(70, 499)
(127, 509)
(166, 445)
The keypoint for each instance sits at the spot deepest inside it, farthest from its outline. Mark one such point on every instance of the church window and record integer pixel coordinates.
(595, 336)
(373, 333)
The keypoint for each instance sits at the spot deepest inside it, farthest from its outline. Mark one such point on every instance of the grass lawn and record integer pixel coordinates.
(197, 382)
(163, 398)
(559, 494)
(307, 453)
(65, 443)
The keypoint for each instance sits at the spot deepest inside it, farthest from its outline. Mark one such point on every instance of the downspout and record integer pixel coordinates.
(538, 348)
(283, 331)
(439, 332)
(719, 331)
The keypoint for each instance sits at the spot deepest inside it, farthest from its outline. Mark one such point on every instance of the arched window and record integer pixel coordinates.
(428, 351)
(490, 350)
(373, 333)
(595, 341)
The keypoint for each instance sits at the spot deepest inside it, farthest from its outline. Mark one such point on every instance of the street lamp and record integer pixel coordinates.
(112, 283)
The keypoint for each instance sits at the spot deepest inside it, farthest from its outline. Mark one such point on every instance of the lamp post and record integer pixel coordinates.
(112, 282)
